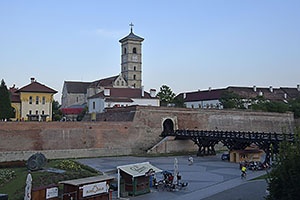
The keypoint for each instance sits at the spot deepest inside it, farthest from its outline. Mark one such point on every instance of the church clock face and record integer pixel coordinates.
(134, 58)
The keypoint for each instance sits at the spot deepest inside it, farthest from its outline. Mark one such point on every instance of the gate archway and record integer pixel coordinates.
(168, 126)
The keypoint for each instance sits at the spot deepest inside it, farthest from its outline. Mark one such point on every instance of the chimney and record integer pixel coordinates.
(271, 88)
(254, 88)
(298, 88)
(106, 92)
(32, 79)
(285, 95)
(152, 92)
(209, 89)
(142, 90)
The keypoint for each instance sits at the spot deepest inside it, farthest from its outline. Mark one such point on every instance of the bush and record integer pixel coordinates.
(69, 165)
(6, 175)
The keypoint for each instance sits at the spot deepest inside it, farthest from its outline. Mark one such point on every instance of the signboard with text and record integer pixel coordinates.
(95, 188)
(51, 192)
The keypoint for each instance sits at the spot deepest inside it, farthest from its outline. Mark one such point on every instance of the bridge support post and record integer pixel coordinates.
(206, 148)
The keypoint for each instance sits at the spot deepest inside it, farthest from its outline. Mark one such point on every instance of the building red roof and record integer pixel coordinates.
(35, 86)
(124, 93)
(72, 110)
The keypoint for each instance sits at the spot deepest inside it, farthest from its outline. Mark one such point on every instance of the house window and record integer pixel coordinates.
(118, 83)
(134, 68)
(76, 99)
(43, 100)
(30, 100)
(94, 105)
(37, 100)
(30, 112)
(36, 112)
(134, 77)
(134, 50)
(122, 83)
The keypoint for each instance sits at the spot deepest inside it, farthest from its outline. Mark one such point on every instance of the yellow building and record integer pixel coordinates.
(248, 154)
(32, 102)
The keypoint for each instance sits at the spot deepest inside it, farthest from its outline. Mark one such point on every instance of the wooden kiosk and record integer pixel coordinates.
(91, 188)
(136, 178)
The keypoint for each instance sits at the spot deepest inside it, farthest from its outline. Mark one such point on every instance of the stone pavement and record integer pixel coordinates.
(206, 177)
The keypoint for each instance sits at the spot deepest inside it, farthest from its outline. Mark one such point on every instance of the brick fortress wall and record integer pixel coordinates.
(112, 136)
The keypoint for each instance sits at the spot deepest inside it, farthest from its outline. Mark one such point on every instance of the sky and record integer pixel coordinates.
(189, 44)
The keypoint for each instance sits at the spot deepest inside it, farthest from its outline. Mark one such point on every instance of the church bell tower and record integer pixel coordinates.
(131, 59)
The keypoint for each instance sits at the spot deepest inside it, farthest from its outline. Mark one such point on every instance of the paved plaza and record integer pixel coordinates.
(207, 177)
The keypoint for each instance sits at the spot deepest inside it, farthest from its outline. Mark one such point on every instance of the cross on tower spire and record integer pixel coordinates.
(131, 24)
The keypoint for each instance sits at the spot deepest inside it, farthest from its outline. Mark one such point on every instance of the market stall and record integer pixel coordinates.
(135, 178)
(91, 188)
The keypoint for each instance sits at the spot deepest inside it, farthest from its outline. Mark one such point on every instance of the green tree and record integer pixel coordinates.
(295, 107)
(165, 95)
(283, 180)
(273, 106)
(56, 112)
(179, 101)
(6, 111)
(82, 114)
(231, 100)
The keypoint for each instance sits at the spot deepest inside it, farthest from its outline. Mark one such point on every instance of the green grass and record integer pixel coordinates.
(15, 188)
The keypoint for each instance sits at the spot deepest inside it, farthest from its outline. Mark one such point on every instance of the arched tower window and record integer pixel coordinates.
(134, 50)
(134, 77)
(125, 50)
(134, 68)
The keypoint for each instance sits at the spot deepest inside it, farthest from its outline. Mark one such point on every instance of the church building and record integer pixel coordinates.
(76, 94)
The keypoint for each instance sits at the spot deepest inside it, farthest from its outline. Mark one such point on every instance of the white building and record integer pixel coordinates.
(121, 97)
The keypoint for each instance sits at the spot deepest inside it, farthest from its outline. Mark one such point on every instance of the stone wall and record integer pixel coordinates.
(141, 131)
(148, 122)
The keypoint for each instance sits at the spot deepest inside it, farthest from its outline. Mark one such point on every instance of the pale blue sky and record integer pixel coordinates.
(188, 45)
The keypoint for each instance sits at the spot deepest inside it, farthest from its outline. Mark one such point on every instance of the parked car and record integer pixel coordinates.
(225, 156)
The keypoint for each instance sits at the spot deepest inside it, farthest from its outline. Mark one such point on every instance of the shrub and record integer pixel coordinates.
(69, 165)
(6, 175)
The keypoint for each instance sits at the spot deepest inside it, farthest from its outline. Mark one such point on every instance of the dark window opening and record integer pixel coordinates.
(134, 50)
(134, 68)
(125, 50)
(168, 126)
(134, 77)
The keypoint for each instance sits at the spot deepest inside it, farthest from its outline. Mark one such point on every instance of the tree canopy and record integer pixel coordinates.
(165, 95)
(295, 107)
(6, 111)
(283, 180)
(231, 100)
(270, 106)
(56, 112)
